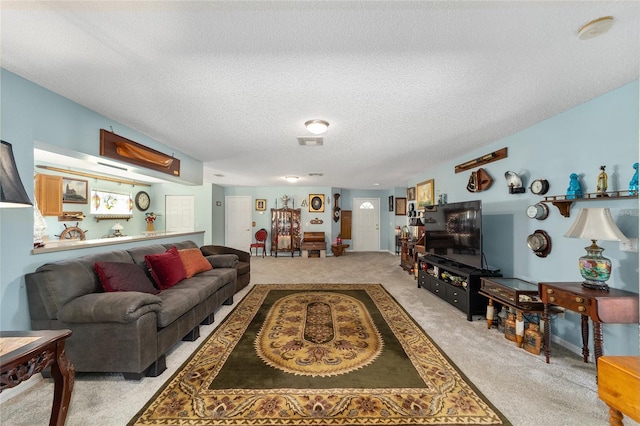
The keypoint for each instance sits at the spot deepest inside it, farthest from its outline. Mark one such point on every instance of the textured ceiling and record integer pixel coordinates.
(231, 83)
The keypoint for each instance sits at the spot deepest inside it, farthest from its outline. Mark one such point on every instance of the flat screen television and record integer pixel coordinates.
(454, 232)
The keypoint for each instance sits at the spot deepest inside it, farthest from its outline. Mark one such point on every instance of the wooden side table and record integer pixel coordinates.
(513, 292)
(25, 353)
(618, 384)
(614, 306)
(339, 249)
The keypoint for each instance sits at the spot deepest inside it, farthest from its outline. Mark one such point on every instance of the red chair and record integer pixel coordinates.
(261, 238)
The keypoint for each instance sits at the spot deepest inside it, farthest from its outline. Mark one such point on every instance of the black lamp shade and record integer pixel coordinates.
(12, 193)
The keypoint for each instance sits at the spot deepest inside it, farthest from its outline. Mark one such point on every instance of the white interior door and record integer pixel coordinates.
(180, 213)
(366, 224)
(237, 219)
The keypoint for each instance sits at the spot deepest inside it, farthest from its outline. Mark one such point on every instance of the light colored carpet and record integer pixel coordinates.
(521, 385)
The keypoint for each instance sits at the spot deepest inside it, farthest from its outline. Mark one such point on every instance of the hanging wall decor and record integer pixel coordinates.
(336, 208)
(122, 149)
(479, 181)
(481, 161)
(316, 203)
(425, 193)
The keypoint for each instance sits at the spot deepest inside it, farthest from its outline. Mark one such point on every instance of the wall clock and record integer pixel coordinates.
(336, 208)
(538, 211)
(316, 203)
(540, 243)
(540, 186)
(143, 201)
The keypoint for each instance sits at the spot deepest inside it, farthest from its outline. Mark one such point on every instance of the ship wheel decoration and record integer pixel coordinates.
(72, 233)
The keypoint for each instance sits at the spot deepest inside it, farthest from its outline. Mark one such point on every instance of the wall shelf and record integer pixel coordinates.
(113, 217)
(564, 204)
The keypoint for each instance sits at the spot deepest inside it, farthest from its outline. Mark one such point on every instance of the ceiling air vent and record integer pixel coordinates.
(316, 174)
(310, 140)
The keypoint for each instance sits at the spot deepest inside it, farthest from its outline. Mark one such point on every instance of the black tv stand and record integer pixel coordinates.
(454, 282)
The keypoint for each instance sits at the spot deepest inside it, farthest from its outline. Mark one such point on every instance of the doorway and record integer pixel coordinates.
(366, 224)
(237, 219)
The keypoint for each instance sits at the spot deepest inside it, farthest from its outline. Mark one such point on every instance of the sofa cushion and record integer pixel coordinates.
(225, 275)
(119, 276)
(177, 301)
(223, 260)
(166, 268)
(121, 307)
(193, 261)
(182, 245)
(137, 254)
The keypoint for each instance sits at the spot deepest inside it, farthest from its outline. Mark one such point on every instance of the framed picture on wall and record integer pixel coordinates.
(261, 204)
(424, 193)
(401, 206)
(391, 205)
(316, 203)
(75, 191)
(411, 193)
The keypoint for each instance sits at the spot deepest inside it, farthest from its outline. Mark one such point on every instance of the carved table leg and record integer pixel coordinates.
(547, 332)
(615, 417)
(490, 311)
(597, 342)
(63, 375)
(585, 338)
(519, 329)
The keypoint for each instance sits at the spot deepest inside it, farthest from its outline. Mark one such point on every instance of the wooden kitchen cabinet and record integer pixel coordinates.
(48, 191)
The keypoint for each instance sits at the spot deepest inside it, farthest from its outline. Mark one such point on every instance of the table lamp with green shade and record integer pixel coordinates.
(595, 224)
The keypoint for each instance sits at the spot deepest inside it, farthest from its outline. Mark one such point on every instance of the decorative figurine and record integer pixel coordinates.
(633, 184)
(574, 191)
(285, 202)
(514, 183)
(603, 183)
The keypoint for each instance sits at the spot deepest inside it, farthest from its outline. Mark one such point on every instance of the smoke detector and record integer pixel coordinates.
(595, 28)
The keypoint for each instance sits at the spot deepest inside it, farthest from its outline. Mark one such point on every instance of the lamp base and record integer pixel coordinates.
(595, 268)
(593, 285)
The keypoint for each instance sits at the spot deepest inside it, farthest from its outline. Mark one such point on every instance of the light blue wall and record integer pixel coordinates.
(31, 113)
(297, 194)
(603, 131)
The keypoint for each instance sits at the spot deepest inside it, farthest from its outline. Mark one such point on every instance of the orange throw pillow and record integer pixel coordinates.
(193, 261)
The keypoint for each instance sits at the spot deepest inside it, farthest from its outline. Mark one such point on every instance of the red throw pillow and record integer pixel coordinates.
(119, 276)
(166, 268)
(193, 261)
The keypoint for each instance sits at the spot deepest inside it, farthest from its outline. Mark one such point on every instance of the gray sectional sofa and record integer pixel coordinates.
(126, 332)
(243, 267)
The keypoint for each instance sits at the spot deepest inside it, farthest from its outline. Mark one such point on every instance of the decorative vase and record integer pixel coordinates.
(150, 227)
(510, 327)
(595, 268)
(533, 339)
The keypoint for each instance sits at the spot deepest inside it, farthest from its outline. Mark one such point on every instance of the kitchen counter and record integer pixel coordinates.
(63, 245)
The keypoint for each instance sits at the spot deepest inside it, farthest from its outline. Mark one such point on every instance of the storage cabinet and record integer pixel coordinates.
(48, 190)
(456, 283)
(285, 231)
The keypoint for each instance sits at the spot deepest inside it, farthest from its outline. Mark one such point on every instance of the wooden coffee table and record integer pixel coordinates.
(25, 353)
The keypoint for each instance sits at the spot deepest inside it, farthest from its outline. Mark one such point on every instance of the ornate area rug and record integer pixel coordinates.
(318, 354)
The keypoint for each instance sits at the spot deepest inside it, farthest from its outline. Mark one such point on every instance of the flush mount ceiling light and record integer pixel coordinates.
(316, 126)
(291, 179)
(595, 28)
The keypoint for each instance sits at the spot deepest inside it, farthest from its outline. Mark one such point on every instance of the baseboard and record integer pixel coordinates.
(570, 347)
